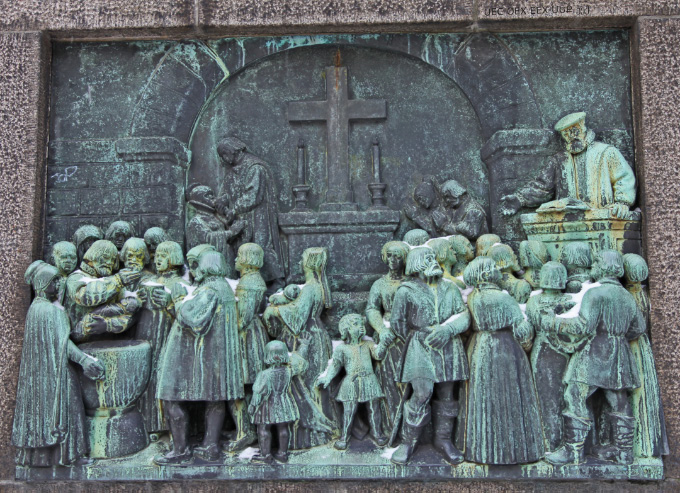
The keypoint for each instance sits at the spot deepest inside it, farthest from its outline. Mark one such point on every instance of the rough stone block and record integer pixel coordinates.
(56, 229)
(149, 200)
(351, 16)
(150, 174)
(23, 58)
(160, 221)
(108, 175)
(96, 201)
(88, 15)
(75, 152)
(62, 203)
(658, 157)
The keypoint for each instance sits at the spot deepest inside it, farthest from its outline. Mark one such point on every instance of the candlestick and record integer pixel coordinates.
(301, 162)
(376, 161)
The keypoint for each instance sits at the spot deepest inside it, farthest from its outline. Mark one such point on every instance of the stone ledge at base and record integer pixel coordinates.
(362, 461)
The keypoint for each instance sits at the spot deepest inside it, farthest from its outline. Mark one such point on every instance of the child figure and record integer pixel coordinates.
(290, 292)
(577, 257)
(273, 403)
(506, 260)
(360, 384)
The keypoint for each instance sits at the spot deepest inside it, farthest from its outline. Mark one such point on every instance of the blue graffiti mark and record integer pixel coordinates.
(63, 177)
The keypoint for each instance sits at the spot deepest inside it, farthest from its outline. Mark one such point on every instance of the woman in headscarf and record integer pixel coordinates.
(301, 319)
(502, 423)
(49, 419)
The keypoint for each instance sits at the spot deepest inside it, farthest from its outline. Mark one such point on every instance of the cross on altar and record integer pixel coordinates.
(337, 110)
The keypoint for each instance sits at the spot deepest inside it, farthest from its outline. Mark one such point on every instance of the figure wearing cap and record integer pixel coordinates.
(591, 172)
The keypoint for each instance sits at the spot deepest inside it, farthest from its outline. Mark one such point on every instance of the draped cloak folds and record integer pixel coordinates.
(154, 326)
(302, 318)
(249, 294)
(49, 407)
(500, 421)
(251, 188)
(378, 313)
(608, 319)
(650, 427)
(202, 356)
(417, 307)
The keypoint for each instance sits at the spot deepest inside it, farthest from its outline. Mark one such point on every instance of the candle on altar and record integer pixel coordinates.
(301, 162)
(376, 161)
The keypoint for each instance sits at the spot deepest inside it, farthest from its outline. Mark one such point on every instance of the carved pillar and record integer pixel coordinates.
(512, 158)
(156, 169)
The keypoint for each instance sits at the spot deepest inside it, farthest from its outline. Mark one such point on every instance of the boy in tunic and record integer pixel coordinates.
(360, 384)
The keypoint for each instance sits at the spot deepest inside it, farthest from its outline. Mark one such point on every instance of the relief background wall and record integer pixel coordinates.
(28, 28)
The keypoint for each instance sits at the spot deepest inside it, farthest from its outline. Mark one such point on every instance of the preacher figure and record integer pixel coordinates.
(429, 314)
(591, 172)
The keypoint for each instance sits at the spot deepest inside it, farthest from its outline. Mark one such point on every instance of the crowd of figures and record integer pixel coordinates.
(491, 358)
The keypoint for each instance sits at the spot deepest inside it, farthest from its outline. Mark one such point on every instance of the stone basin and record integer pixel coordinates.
(128, 366)
(116, 427)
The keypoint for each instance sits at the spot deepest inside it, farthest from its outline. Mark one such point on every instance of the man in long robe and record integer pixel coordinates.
(250, 195)
(49, 419)
(202, 360)
(590, 172)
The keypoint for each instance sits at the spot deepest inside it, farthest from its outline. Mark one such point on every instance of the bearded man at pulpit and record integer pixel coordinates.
(589, 175)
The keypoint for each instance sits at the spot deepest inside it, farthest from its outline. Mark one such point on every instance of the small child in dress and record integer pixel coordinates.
(290, 292)
(360, 384)
(273, 403)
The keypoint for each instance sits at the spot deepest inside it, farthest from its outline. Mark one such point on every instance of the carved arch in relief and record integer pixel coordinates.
(479, 64)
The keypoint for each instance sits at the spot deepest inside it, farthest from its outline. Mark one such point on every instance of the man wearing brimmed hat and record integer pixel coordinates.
(592, 172)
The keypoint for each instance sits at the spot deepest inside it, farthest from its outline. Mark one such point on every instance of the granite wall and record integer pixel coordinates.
(28, 27)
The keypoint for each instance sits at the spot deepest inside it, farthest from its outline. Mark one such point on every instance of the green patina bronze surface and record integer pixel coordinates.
(439, 185)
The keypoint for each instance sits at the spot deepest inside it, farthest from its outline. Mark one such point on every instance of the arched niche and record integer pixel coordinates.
(431, 127)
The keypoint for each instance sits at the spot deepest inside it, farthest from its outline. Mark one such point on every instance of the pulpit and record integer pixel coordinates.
(597, 227)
